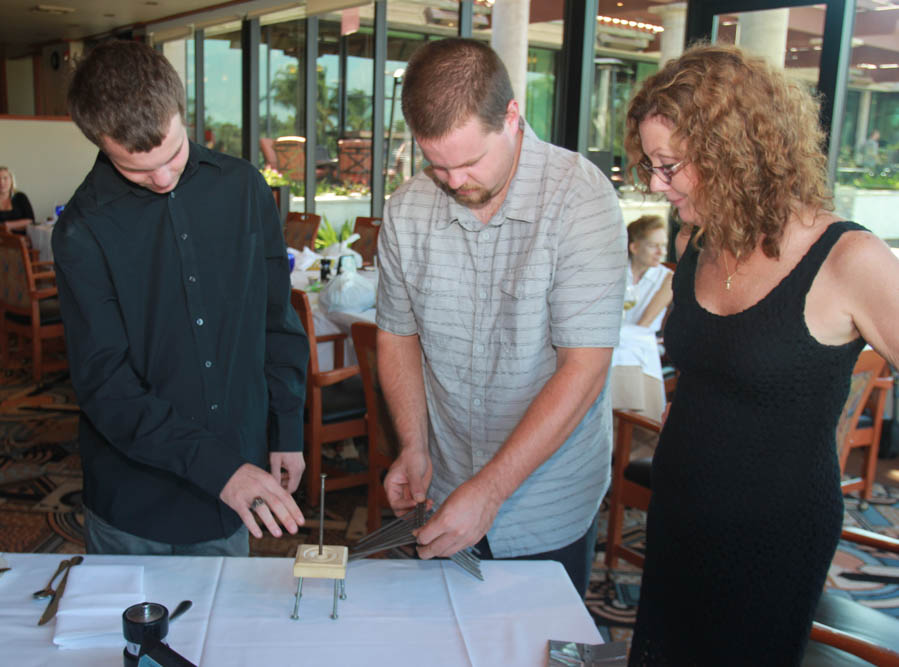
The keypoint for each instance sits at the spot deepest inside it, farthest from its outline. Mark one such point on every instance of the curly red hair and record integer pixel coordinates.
(750, 133)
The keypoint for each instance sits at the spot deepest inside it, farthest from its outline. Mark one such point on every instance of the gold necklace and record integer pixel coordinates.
(730, 275)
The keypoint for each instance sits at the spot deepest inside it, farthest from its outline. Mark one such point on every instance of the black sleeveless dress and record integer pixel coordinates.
(746, 506)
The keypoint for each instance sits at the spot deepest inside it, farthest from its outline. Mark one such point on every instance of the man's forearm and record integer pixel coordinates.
(552, 416)
(400, 375)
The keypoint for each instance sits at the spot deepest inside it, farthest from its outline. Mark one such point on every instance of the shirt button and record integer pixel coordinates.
(214, 406)
(183, 237)
(483, 294)
(486, 236)
(199, 321)
(192, 279)
(477, 401)
(173, 195)
(208, 364)
(479, 348)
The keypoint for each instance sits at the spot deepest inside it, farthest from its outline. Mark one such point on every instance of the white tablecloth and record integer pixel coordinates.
(398, 612)
(338, 322)
(39, 235)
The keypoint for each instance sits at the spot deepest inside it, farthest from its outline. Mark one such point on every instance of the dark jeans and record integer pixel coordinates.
(101, 537)
(576, 558)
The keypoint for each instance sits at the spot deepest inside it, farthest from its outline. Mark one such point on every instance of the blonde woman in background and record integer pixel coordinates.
(637, 382)
(15, 209)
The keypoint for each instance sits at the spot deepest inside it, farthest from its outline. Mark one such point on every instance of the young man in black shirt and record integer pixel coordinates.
(187, 359)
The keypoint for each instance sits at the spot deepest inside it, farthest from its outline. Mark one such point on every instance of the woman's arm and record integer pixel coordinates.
(658, 302)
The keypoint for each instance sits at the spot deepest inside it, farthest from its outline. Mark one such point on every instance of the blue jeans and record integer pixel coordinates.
(101, 537)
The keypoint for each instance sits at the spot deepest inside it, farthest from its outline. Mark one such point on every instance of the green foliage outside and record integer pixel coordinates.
(885, 179)
(328, 235)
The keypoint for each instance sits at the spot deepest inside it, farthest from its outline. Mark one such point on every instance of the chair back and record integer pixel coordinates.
(868, 368)
(354, 160)
(367, 245)
(290, 157)
(383, 442)
(300, 302)
(381, 429)
(301, 229)
(16, 279)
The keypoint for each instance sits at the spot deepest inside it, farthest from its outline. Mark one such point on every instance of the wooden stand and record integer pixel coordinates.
(321, 561)
(329, 564)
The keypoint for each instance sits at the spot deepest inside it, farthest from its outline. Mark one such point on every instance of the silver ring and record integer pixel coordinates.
(257, 502)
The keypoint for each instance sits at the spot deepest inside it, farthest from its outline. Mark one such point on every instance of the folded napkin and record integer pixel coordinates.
(90, 611)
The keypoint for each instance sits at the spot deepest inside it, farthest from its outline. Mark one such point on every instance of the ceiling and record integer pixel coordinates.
(876, 34)
(21, 26)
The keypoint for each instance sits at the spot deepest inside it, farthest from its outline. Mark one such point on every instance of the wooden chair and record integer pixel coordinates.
(29, 306)
(844, 628)
(367, 245)
(301, 229)
(335, 407)
(861, 421)
(630, 485)
(383, 443)
(290, 157)
(354, 160)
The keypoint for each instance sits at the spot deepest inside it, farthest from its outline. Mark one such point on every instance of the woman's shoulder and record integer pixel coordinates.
(857, 252)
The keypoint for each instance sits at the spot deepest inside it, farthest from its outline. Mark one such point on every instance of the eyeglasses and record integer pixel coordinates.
(665, 172)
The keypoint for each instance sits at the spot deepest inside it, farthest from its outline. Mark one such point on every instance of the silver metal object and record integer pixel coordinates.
(182, 607)
(257, 502)
(47, 591)
(398, 533)
(321, 516)
(296, 605)
(50, 611)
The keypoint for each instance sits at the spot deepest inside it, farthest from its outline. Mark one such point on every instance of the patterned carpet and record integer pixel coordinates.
(40, 507)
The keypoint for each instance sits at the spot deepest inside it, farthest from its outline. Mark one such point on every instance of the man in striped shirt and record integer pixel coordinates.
(502, 276)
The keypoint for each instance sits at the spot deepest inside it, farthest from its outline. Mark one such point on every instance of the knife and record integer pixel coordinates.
(50, 611)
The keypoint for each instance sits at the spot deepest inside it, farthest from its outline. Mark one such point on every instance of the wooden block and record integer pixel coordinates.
(330, 564)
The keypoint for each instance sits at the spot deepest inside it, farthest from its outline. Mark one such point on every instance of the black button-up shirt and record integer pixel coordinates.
(185, 354)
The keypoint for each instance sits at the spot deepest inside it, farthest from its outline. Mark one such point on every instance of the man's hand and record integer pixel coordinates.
(461, 521)
(287, 467)
(250, 482)
(408, 479)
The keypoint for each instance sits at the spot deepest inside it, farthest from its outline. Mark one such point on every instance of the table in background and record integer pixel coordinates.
(338, 322)
(397, 612)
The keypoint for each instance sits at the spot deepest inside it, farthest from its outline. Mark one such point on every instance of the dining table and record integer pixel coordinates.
(333, 321)
(397, 612)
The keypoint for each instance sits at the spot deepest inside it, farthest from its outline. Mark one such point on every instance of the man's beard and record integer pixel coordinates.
(475, 197)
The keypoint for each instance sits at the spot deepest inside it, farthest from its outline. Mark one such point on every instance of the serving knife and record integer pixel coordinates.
(51, 609)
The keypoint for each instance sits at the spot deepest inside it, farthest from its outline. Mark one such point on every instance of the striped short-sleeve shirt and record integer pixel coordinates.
(490, 304)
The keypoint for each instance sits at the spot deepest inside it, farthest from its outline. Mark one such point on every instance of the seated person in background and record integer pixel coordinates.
(636, 366)
(15, 209)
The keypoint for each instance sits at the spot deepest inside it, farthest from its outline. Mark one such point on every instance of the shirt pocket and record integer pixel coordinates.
(524, 318)
(434, 295)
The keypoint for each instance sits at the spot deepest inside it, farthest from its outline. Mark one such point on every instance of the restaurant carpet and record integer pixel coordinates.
(40, 507)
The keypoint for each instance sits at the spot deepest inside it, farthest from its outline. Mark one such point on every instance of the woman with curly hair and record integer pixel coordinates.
(774, 298)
